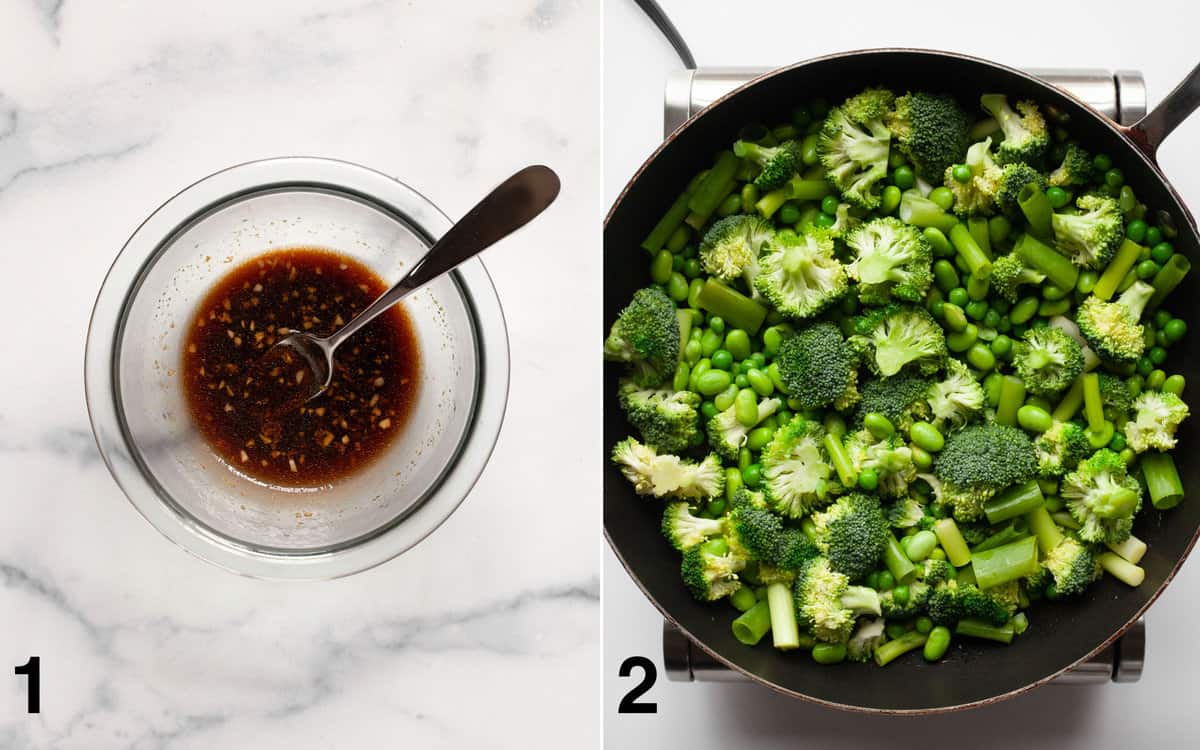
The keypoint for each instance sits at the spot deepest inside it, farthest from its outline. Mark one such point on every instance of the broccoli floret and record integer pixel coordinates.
(843, 221)
(890, 458)
(1114, 394)
(1091, 237)
(1157, 414)
(893, 337)
(683, 530)
(795, 468)
(730, 247)
(905, 513)
(952, 601)
(748, 498)
(778, 163)
(918, 600)
(1072, 566)
(794, 549)
(799, 274)
(892, 260)
(1048, 360)
(727, 435)
(852, 534)
(709, 572)
(980, 460)
(976, 196)
(956, 399)
(818, 366)
(867, 637)
(666, 475)
(646, 335)
(756, 530)
(931, 130)
(1061, 448)
(900, 398)
(1014, 177)
(827, 604)
(853, 146)
(668, 420)
(1113, 329)
(1025, 134)
(1009, 273)
(1076, 168)
(933, 572)
(1102, 497)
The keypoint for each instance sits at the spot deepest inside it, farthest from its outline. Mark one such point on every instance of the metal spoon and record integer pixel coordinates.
(308, 359)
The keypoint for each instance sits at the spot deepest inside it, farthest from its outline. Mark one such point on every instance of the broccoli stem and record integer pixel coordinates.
(1121, 569)
(1066, 520)
(969, 250)
(667, 225)
(1038, 255)
(1167, 278)
(1126, 256)
(897, 562)
(841, 460)
(696, 220)
(1162, 480)
(1044, 529)
(980, 629)
(714, 187)
(784, 629)
(1015, 501)
(952, 542)
(1131, 550)
(978, 227)
(732, 305)
(1018, 529)
(1036, 207)
(809, 527)
(753, 624)
(1093, 403)
(1012, 398)
(921, 212)
(982, 129)
(808, 190)
(772, 201)
(898, 647)
(1071, 401)
(1008, 562)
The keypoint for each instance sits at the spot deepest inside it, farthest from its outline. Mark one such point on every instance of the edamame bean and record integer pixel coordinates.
(926, 436)
(954, 317)
(772, 338)
(1002, 346)
(694, 292)
(741, 381)
(937, 643)
(693, 351)
(944, 275)
(724, 399)
(991, 388)
(923, 624)
(733, 483)
(660, 267)
(921, 458)
(776, 378)
(1050, 308)
(1086, 281)
(889, 200)
(708, 409)
(683, 372)
(1034, 418)
(1174, 384)
(942, 196)
(958, 296)
(710, 341)
(712, 382)
(938, 241)
(737, 342)
(1155, 380)
(677, 287)
(980, 357)
(879, 425)
(829, 653)
(759, 437)
(745, 407)
(963, 340)
(760, 382)
(920, 545)
(1024, 310)
(752, 476)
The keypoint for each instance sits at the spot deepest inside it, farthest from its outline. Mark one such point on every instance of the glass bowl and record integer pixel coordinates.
(135, 392)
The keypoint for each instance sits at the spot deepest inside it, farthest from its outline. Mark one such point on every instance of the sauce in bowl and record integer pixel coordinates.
(375, 375)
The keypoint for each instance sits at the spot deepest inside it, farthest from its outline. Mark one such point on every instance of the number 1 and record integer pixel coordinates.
(32, 670)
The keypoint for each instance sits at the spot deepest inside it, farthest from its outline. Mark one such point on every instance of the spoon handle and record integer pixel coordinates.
(510, 206)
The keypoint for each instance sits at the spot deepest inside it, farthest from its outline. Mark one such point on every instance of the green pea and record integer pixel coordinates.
(712, 382)
(717, 324)
(921, 458)
(879, 425)
(1117, 443)
(961, 173)
(829, 653)
(724, 399)
(829, 204)
(745, 406)
(900, 595)
(992, 318)
(937, 554)
(976, 309)
(936, 306)
(1175, 329)
(1174, 384)
(958, 296)
(1034, 418)
(1136, 230)
(1024, 310)
(937, 643)
(1048, 308)
(709, 410)
(904, 178)
(889, 200)
(789, 213)
(920, 545)
(1161, 318)
(923, 624)
(691, 268)
(683, 372)
(1086, 281)
(868, 480)
(711, 341)
(1057, 197)
(752, 476)
(980, 357)
(1002, 346)
(742, 381)
(1146, 269)
(964, 339)
(660, 267)
(1154, 236)
(1102, 162)
(737, 342)
(937, 240)
(1162, 252)
(759, 438)
(895, 630)
(1157, 355)
(1114, 178)
(926, 436)
(722, 360)
(1155, 380)
(886, 580)
(943, 197)
(824, 220)
(872, 580)
(1144, 366)
(677, 287)
(1054, 293)
(717, 507)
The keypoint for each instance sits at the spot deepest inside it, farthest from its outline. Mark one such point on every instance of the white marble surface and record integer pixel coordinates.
(1159, 711)
(486, 634)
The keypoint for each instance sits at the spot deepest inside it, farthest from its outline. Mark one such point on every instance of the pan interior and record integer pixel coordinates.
(1061, 633)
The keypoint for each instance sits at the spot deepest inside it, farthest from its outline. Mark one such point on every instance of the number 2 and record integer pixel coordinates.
(629, 704)
(33, 670)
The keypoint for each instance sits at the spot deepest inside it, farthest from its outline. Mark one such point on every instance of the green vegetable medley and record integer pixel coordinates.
(900, 374)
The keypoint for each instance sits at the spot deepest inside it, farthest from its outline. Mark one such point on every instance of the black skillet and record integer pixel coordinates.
(1061, 634)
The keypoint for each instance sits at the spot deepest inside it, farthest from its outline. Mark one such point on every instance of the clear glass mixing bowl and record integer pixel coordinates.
(140, 417)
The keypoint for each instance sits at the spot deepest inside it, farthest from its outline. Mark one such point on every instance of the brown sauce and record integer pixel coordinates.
(375, 376)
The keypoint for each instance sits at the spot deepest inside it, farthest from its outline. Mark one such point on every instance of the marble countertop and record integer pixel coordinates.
(1160, 709)
(487, 633)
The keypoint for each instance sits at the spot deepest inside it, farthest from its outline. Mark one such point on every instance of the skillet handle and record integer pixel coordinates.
(1150, 131)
